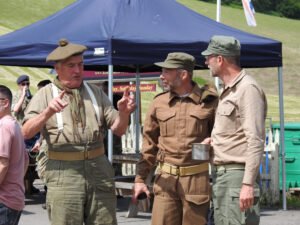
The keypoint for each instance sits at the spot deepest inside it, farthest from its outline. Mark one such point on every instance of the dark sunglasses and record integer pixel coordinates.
(25, 83)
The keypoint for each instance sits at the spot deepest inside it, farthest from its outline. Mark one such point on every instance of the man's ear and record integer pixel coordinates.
(184, 74)
(220, 59)
(6, 104)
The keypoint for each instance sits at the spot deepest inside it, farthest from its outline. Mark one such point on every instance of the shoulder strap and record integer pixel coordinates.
(93, 98)
(59, 118)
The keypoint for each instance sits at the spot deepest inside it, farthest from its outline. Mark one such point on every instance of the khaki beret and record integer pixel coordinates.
(178, 60)
(65, 50)
(223, 45)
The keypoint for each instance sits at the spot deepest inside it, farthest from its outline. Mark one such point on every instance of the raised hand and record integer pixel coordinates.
(127, 103)
(57, 104)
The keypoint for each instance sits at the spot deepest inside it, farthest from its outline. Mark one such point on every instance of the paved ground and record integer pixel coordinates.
(34, 214)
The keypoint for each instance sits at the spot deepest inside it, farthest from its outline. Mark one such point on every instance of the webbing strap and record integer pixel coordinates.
(93, 98)
(59, 118)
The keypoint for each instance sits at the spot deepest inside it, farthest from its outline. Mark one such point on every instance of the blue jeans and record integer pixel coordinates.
(9, 216)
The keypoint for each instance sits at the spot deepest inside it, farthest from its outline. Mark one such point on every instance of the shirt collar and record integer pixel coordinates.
(195, 95)
(235, 81)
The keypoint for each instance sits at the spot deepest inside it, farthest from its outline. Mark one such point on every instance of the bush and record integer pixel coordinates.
(289, 8)
(286, 8)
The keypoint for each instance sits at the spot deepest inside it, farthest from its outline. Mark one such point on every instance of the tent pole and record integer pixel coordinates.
(281, 114)
(218, 19)
(137, 111)
(110, 96)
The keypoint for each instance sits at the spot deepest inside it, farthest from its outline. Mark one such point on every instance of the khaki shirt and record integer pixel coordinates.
(239, 131)
(19, 115)
(172, 124)
(92, 133)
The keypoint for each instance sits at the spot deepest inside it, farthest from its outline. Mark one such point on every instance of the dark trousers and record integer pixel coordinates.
(9, 216)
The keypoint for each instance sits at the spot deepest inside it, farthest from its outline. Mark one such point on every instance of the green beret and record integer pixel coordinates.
(65, 50)
(223, 45)
(178, 60)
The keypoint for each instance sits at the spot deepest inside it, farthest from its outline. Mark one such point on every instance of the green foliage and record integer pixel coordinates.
(289, 8)
(199, 80)
(286, 8)
(265, 6)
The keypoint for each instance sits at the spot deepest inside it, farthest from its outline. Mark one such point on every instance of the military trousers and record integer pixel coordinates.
(81, 192)
(181, 200)
(226, 192)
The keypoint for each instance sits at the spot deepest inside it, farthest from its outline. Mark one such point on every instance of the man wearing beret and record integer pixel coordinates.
(22, 97)
(238, 135)
(72, 116)
(20, 102)
(177, 118)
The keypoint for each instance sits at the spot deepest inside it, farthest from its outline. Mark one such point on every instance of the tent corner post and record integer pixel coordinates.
(110, 96)
(282, 146)
(137, 111)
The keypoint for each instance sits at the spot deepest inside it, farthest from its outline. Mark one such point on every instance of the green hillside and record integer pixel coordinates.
(17, 13)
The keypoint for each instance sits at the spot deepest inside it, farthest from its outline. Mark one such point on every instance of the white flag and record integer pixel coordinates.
(249, 12)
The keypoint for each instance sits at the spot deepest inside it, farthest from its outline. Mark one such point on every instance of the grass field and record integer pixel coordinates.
(16, 14)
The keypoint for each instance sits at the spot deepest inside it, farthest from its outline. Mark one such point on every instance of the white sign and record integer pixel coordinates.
(99, 51)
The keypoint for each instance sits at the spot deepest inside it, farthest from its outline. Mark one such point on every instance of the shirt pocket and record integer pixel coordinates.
(226, 119)
(197, 122)
(166, 123)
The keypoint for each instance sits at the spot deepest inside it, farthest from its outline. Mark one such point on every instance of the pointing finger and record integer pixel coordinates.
(61, 95)
(126, 92)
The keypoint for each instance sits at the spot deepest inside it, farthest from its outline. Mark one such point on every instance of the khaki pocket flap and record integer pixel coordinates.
(197, 199)
(227, 109)
(165, 115)
(199, 115)
(235, 192)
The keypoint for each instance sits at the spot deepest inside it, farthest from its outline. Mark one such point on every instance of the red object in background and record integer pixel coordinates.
(132, 88)
(103, 75)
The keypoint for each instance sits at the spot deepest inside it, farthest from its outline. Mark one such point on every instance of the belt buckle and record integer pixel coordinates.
(177, 170)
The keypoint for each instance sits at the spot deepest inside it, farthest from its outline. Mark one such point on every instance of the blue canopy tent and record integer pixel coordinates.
(125, 33)
(130, 35)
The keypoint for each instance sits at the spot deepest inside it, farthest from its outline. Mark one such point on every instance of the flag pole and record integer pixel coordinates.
(218, 16)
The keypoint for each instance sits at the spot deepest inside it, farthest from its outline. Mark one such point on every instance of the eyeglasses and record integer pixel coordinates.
(25, 83)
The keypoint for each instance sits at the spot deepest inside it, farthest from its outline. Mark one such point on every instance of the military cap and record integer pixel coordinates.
(178, 60)
(223, 45)
(43, 83)
(65, 50)
(22, 78)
